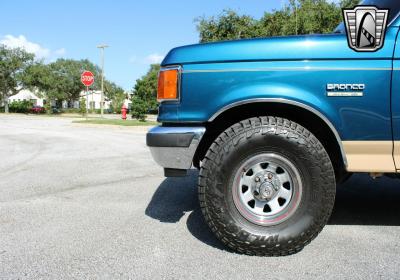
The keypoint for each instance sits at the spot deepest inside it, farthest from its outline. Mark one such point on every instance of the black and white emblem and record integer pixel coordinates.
(365, 27)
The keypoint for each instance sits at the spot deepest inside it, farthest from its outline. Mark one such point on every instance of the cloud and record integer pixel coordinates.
(154, 58)
(21, 41)
(60, 52)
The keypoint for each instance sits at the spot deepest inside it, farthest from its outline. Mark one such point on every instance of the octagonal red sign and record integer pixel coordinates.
(87, 78)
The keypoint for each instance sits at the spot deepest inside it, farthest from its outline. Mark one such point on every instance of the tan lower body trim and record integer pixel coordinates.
(369, 156)
(396, 154)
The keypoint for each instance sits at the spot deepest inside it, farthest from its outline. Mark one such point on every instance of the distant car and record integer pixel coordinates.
(37, 110)
(55, 110)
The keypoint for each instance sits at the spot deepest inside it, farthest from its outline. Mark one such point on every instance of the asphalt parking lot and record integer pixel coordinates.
(88, 202)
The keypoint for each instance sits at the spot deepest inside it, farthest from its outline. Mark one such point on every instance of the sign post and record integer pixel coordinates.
(87, 102)
(87, 78)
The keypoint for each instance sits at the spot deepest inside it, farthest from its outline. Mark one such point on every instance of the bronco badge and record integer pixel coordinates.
(345, 90)
(365, 27)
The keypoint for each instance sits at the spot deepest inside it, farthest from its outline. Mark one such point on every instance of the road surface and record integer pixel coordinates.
(88, 202)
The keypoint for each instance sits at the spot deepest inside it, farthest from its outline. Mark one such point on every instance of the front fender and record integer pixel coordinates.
(279, 93)
(208, 89)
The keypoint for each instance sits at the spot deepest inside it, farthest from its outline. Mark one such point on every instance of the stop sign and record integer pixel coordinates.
(87, 78)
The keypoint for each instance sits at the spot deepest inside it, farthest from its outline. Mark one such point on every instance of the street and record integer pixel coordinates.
(88, 202)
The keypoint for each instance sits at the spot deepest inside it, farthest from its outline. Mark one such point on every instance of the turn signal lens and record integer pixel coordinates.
(168, 85)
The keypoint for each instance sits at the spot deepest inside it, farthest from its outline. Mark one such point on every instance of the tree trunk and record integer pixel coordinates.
(6, 105)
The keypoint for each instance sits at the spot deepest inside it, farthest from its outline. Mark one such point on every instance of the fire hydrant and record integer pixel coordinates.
(123, 111)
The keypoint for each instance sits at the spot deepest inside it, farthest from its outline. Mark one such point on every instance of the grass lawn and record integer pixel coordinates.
(117, 122)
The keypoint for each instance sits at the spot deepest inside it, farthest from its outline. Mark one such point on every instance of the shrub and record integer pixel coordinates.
(56, 111)
(23, 106)
(138, 109)
(109, 111)
(47, 107)
(82, 106)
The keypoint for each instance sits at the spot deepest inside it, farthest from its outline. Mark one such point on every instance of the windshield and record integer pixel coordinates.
(392, 5)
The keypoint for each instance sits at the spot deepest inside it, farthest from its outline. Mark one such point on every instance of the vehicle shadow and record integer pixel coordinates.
(360, 201)
(173, 199)
(366, 201)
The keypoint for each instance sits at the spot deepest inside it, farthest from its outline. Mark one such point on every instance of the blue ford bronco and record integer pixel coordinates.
(274, 124)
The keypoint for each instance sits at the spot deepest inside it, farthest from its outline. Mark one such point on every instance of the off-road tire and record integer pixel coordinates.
(243, 140)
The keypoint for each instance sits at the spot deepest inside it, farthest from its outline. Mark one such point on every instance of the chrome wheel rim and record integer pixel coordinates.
(267, 189)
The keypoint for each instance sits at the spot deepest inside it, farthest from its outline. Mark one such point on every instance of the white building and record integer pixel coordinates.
(27, 95)
(93, 102)
(94, 99)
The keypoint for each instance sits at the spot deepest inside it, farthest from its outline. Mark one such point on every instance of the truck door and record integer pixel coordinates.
(395, 103)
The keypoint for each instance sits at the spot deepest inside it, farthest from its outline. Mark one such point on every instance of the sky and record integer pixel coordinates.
(138, 32)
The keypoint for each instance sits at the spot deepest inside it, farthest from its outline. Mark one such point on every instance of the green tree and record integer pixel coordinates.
(13, 63)
(227, 26)
(146, 87)
(68, 74)
(116, 94)
(139, 108)
(297, 17)
(349, 3)
(39, 77)
(60, 80)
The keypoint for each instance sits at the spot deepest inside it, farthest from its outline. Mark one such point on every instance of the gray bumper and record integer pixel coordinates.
(174, 147)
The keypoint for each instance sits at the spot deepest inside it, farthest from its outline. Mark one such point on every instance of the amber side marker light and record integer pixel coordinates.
(168, 80)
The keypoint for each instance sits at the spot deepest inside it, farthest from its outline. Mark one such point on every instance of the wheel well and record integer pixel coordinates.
(302, 116)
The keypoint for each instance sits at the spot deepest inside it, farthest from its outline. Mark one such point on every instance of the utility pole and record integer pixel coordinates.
(102, 47)
(295, 6)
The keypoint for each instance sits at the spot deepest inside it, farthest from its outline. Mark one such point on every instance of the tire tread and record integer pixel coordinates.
(228, 140)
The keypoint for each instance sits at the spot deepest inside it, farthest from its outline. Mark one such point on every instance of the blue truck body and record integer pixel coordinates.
(273, 124)
(294, 68)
